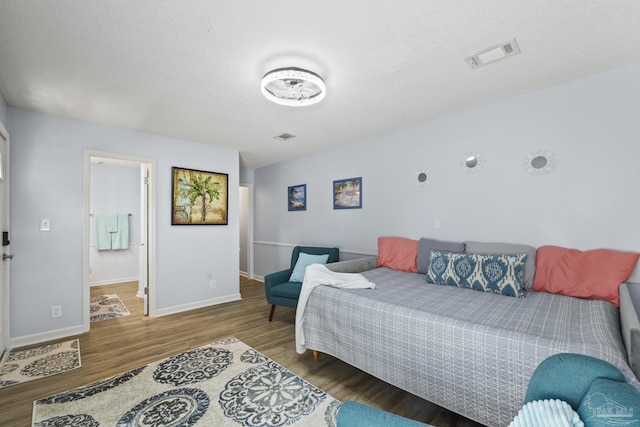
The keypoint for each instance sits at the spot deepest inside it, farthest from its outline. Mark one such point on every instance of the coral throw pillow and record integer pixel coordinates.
(593, 274)
(398, 253)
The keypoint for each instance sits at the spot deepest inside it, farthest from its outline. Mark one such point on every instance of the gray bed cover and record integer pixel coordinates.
(468, 351)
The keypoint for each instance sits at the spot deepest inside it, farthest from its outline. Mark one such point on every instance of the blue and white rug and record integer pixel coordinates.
(105, 307)
(226, 383)
(25, 365)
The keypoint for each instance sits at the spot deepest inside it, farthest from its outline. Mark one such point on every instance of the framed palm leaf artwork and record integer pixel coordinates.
(199, 197)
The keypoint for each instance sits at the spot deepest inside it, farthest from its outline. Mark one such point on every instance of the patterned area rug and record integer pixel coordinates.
(226, 383)
(26, 365)
(104, 307)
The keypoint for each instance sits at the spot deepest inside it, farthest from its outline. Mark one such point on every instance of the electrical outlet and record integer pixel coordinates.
(212, 284)
(56, 311)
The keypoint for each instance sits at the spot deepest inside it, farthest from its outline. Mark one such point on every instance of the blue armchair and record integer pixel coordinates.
(596, 390)
(277, 287)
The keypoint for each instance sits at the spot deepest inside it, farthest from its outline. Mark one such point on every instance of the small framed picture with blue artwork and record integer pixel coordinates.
(297, 197)
(347, 193)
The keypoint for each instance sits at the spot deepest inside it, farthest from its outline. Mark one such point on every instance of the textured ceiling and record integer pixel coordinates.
(192, 69)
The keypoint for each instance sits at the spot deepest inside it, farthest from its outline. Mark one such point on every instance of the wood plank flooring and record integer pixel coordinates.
(117, 345)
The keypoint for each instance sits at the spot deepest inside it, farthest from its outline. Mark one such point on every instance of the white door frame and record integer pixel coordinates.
(143, 251)
(151, 237)
(249, 232)
(5, 280)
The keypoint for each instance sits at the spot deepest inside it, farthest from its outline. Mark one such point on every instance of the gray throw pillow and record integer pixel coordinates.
(508, 249)
(425, 246)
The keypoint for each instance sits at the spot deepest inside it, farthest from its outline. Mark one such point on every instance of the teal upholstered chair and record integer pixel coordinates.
(596, 390)
(277, 287)
(354, 414)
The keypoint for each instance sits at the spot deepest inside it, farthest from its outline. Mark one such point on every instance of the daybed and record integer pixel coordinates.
(471, 352)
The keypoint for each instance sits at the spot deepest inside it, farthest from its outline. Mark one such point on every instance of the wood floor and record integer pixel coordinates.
(117, 345)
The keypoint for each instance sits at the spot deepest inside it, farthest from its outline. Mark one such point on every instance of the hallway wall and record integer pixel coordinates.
(47, 182)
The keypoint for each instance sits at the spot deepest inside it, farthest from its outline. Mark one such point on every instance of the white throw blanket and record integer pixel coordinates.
(317, 275)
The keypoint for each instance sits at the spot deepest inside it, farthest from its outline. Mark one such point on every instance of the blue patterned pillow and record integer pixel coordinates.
(499, 274)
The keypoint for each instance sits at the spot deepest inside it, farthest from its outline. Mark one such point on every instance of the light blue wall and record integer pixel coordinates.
(591, 200)
(246, 176)
(47, 182)
(116, 189)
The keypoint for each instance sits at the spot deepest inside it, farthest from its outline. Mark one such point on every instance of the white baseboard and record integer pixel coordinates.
(46, 336)
(76, 330)
(258, 278)
(114, 281)
(245, 274)
(198, 304)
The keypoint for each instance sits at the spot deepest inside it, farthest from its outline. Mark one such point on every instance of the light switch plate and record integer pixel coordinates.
(45, 224)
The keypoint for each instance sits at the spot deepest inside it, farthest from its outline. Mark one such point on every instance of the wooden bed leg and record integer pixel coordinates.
(273, 308)
(315, 355)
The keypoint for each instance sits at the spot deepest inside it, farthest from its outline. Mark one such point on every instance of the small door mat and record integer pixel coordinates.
(26, 365)
(104, 307)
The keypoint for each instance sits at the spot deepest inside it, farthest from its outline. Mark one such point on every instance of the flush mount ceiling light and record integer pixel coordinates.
(293, 86)
(493, 54)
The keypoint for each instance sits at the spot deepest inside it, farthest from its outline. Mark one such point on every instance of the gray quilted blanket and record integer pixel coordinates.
(468, 351)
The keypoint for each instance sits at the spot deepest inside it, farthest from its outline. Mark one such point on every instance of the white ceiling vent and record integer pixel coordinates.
(493, 54)
(284, 136)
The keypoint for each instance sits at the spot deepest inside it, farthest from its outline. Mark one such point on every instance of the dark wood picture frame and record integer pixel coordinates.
(199, 197)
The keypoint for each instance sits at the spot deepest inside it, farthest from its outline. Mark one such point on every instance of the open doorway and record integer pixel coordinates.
(246, 230)
(119, 250)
